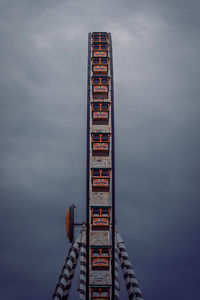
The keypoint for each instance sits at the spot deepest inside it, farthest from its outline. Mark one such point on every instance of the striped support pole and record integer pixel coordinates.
(116, 276)
(83, 272)
(127, 268)
(129, 286)
(67, 269)
(82, 288)
(69, 282)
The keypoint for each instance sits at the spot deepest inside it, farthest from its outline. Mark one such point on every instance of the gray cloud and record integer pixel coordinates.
(43, 79)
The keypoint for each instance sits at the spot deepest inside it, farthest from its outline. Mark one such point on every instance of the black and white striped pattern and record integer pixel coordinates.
(83, 272)
(69, 282)
(66, 271)
(126, 277)
(127, 268)
(116, 276)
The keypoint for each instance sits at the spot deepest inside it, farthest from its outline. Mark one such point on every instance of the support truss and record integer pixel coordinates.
(128, 272)
(63, 286)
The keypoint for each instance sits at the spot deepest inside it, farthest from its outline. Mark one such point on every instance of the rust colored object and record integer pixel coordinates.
(69, 223)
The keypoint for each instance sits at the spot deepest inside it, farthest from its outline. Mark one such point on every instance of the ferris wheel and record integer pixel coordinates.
(99, 244)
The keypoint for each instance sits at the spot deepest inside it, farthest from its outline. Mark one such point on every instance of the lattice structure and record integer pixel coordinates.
(100, 168)
(99, 244)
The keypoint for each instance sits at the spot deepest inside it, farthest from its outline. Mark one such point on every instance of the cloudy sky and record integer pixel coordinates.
(43, 84)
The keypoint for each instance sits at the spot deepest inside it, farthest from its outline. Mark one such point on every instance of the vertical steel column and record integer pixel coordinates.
(88, 169)
(113, 170)
(100, 237)
(82, 272)
(116, 276)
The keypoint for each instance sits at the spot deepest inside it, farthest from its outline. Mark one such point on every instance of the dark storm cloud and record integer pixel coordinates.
(43, 57)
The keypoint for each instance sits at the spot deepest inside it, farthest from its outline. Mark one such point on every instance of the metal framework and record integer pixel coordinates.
(99, 243)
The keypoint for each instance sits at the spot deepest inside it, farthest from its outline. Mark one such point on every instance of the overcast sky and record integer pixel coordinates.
(43, 85)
